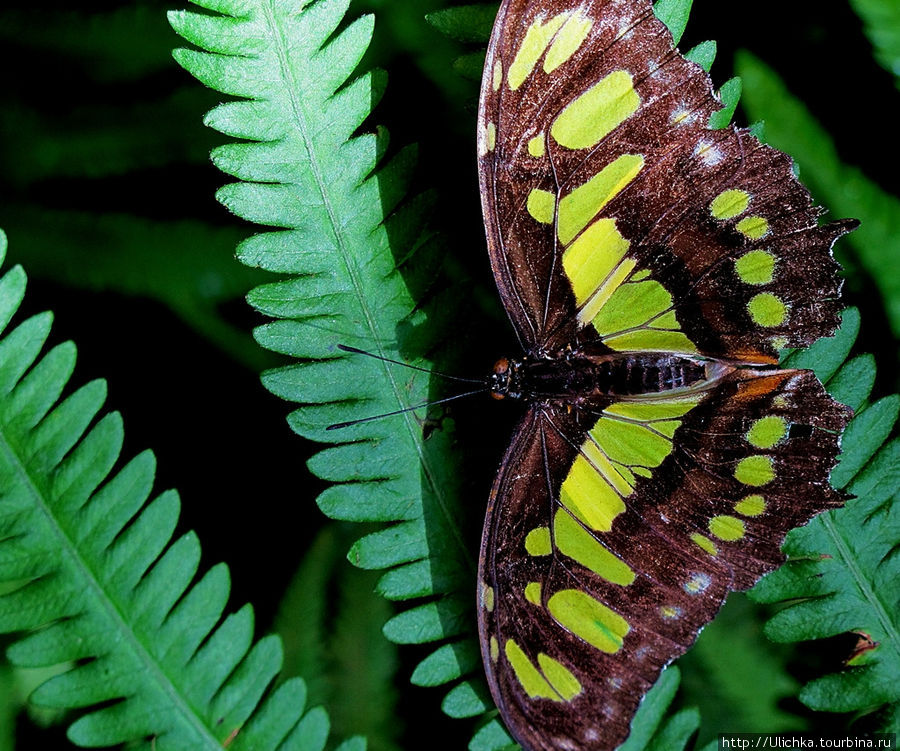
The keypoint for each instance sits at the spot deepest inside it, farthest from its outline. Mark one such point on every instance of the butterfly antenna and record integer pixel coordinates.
(339, 425)
(356, 351)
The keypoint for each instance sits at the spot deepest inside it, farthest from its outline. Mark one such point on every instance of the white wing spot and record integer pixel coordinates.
(697, 583)
(683, 116)
(624, 27)
(670, 612)
(708, 152)
(661, 75)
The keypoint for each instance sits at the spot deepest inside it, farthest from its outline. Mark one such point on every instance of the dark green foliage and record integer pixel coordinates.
(81, 150)
(466, 23)
(882, 25)
(92, 576)
(738, 676)
(181, 264)
(330, 625)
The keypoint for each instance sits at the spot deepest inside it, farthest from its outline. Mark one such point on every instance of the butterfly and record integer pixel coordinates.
(652, 268)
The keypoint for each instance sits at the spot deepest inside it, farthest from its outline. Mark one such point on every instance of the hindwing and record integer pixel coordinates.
(615, 214)
(615, 531)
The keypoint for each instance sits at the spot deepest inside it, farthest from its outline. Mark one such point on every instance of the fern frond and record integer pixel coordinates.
(843, 572)
(352, 252)
(331, 628)
(102, 41)
(744, 692)
(184, 265)
(98, 581)
(881, 19)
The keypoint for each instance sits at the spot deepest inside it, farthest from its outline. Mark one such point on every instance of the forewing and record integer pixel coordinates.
(614, 213)
(615, 533)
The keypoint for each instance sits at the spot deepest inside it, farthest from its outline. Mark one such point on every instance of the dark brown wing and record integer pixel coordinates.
(614, 534)
(614, 213)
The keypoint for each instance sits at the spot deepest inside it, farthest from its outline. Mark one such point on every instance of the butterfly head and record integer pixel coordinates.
(506, 379)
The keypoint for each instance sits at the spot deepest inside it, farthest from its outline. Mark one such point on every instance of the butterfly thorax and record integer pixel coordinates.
(573, 377)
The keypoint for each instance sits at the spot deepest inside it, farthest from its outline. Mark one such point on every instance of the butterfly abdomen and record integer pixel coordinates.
(573, 377)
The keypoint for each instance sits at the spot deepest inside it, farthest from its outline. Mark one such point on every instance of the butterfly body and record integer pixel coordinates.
(581, 377)
(652, 268)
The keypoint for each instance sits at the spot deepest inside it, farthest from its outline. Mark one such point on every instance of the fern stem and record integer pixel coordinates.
(862, 582)
(300, 119)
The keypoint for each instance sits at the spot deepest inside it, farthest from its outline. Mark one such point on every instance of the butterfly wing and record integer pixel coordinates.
(614, 213)
(615, 533)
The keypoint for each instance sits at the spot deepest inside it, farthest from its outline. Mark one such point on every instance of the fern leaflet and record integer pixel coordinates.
(99, 582)
(843, 572)
(882, 26)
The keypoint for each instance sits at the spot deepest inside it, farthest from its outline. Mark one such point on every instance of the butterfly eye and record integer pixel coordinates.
(501, 379)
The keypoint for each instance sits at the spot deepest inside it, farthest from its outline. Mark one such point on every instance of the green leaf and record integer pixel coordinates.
(91, 575)
(730, 94)
(842, 188)
(674, 14)
(467, 700)
(881, 24)
(870, 427)
(853, 383)
(448, 663)
(653, 708)
(828, 354)
(677, 731)
(447, 617)
(704, 54)
(470, 65)
(492, 737)
(466, 23)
